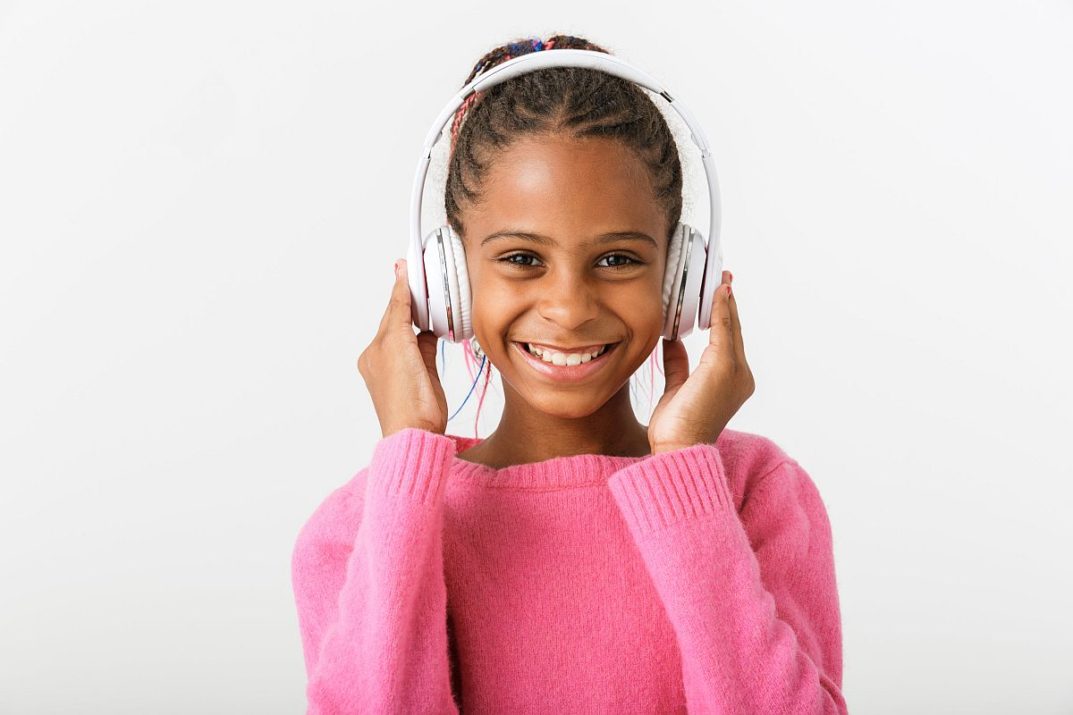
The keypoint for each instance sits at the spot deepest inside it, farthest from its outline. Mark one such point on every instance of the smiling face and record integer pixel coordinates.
(593, 276)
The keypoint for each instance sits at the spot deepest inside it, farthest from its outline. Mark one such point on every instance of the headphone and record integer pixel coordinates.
(436, 266)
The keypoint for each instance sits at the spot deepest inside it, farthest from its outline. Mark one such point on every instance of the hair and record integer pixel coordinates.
(575, 101)
(572, 101)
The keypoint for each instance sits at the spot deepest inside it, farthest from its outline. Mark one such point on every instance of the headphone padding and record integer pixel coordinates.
(672, 276)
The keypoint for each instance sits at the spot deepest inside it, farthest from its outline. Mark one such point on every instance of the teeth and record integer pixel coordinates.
(557, 358)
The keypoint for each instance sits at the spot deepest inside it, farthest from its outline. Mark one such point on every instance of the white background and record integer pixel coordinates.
(200, 204)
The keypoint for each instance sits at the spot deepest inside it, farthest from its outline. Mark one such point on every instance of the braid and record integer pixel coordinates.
(581, 101)
(491, 59)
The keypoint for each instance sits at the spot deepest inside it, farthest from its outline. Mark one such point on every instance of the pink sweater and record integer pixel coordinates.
(699, 579)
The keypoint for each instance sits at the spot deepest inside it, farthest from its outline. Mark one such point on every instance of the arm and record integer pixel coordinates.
(367, 572)
(753, 599)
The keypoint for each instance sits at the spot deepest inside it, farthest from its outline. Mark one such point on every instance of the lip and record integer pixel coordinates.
(565, 373)
(580, 349)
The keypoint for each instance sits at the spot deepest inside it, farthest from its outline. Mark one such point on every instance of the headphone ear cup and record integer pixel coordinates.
(437, 308)
(458, 284)
(448, 285)
(672, 278)
(435, 256)
(686, 256)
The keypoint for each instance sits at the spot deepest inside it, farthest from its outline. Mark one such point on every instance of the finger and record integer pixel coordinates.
(739, 342)
(721, 325)
(427, 342)
(675, 364)
(398, 313)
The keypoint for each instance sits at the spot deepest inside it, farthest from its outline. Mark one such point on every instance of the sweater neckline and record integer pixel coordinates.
(577, 470)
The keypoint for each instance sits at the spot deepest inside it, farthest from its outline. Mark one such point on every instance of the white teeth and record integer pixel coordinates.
(557, 358)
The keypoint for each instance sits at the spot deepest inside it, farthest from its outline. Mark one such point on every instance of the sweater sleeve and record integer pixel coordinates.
(367, 573)
(752, 598)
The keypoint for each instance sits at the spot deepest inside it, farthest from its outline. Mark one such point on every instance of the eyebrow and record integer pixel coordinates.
(546, 240)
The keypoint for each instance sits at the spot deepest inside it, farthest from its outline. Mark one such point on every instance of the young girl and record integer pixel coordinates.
(575, 560)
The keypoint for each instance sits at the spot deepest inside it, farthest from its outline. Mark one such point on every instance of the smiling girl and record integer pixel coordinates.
(575, 560)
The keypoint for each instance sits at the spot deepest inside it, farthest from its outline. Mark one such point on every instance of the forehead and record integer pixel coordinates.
(561, 184)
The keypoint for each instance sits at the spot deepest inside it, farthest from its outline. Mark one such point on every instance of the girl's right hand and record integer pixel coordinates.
(399, 368)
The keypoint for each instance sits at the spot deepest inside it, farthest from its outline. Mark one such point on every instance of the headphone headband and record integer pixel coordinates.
(530, 62)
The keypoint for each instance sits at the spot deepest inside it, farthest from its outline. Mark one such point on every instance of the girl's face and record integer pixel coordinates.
(570, 283)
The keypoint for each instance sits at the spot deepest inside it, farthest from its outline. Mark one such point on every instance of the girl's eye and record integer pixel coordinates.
(507, 259)
(619, 264)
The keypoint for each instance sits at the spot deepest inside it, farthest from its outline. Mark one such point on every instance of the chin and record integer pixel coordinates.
(565, 404)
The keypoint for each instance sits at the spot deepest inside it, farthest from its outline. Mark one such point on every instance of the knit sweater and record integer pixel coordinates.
(698, 580)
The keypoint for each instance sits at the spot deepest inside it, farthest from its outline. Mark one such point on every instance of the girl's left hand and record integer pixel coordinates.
(695, 408)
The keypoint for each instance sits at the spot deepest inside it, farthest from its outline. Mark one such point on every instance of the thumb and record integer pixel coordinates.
(427, 342)
(675, 364)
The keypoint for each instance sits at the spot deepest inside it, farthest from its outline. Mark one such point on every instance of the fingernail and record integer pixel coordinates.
(731, 276)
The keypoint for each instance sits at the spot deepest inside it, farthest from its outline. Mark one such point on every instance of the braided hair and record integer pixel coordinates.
(580, 101)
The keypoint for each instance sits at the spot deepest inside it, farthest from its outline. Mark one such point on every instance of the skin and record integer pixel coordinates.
(569, 291)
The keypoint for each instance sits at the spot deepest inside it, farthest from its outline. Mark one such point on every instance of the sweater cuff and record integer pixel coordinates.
(672, 487)
(412, 463)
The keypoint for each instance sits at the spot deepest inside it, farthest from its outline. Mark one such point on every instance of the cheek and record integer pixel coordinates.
(493, 307)
(643, 311)
(642, 306)
(490, 289)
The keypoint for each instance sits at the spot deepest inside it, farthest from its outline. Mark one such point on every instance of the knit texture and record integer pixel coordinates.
(700, 580)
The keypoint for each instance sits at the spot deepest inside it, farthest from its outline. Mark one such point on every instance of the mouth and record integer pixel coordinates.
(565, 366)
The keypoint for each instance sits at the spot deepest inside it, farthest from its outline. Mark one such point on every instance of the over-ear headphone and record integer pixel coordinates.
(436, 266)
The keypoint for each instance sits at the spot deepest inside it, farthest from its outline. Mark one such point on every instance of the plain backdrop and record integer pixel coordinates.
(200, 204)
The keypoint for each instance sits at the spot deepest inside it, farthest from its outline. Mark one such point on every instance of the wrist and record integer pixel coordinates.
(659, 448)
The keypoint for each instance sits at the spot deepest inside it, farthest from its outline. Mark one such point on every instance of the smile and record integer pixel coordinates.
(565, 368)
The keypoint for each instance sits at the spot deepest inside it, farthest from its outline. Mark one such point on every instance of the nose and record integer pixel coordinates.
(568, 301)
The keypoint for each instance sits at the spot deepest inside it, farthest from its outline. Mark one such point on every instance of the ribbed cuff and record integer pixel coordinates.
(671, 487)
(411, 463)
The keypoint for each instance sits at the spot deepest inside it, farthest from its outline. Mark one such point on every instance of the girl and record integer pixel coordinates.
(574, 560)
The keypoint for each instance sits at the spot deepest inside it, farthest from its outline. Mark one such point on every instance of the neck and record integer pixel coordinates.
(526, 435)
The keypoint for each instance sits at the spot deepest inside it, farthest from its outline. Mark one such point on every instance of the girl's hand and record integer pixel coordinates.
(695, 408)
(399, 368)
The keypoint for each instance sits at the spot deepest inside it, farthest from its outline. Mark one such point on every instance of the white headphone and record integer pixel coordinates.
(436, 266)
